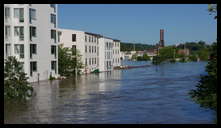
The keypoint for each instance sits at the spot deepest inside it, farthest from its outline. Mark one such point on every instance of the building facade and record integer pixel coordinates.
(97, 51)
(116, 53)
(30, 32)
(85, 43)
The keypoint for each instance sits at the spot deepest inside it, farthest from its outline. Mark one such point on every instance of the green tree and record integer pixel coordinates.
(134, 57)
(146, 57)
(69, 61)
(16, 85)
(206, 92)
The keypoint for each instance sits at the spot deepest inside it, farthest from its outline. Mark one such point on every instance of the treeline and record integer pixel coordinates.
(194, 46)
(124, 46)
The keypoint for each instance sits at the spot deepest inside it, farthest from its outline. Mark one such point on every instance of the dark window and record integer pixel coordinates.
(53, 6)
(33, 49)
(32, 32)
(73, 37)
(53, 35)
(32, 15)
(53, 50)
(53, 66)
(7, 12)
(85, 61)
(33, 67)
(53, 19)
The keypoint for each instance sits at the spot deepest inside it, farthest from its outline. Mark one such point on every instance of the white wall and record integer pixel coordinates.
(43, 39)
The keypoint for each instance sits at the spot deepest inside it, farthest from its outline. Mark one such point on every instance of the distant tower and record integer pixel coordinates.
(161, 42)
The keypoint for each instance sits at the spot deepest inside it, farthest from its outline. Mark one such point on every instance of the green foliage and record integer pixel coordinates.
(193, 58)
(16, 85)
(145, 57)
(134, 57)
(206, 92)
(203, 54)
(138, 47)
(69, 61)
(212, 8)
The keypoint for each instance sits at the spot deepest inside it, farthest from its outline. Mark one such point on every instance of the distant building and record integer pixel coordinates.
(185, 52)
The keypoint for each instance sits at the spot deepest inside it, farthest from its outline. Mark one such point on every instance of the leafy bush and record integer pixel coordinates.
(16, 85)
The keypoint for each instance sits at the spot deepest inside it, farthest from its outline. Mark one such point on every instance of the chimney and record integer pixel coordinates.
(162, 37)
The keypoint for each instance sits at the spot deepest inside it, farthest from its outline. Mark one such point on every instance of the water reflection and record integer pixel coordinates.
(142, 95)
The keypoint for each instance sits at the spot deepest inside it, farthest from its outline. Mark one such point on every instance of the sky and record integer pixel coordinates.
(141, 23)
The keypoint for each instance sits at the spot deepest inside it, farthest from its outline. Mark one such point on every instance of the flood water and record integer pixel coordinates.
(155, 94)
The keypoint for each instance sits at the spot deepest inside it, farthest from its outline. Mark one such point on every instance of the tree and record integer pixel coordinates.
(69, 61)
(146, 57)
(212, 8)
(206, 92)
(16, 85)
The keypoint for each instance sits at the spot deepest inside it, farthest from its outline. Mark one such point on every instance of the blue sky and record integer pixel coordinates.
(141, 23)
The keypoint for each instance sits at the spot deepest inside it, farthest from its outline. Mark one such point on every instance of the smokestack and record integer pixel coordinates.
(162, 37)
(161, 34)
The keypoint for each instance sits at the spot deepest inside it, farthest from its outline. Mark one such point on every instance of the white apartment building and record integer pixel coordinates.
(116, 53)
(106, 54)
(97, 51)
(30, 34)
(87, 45)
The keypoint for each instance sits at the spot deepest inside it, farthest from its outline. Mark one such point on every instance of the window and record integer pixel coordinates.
(33, 67)
(73, 37)
(53, 35)
(32, 32)
(7, 13)
(33, 49)
(53, 50)
(95, 49)
(85, 61)
(19, 50)
(7, 32)
(92, 49)
(32, 14)
(85, 38)
(59, 36)
(19, 13)
(86, 49)
(53, 66)
(53, 19)
(89, 39)
(89, 61)
(95, 60)
(19, 31)
(89, 49)
(8, 50)
(53, 6)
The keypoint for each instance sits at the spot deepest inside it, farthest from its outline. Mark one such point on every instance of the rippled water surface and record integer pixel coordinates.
(155, 94)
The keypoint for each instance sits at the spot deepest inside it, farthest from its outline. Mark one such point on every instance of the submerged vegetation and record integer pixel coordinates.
(16, 85)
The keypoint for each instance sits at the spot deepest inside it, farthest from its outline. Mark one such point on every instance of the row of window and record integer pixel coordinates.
(108, 45)
(117, 44)
(91, 49)
(91, 39)
(90, 61)
(19, 14)
(116, 51)
(19, 31)
(116, 60)
(19, 50)
(108, 55)
(33, 66)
